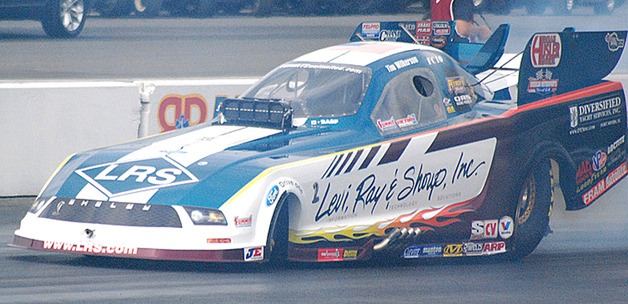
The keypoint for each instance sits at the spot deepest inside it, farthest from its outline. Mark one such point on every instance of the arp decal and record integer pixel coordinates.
(546, 50)
(115, 179)
(493, 248)
(178, 111)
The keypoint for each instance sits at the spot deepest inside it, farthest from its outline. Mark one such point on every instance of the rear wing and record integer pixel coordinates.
(474, 57)
(556, 63)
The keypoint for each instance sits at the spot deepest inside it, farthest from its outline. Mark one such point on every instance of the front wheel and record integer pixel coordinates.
(277, 244)
(533, 209)
(64, 18)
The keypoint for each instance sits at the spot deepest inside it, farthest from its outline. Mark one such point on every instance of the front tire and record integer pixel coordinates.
(64, 18)
(533, 209)
(277, 244)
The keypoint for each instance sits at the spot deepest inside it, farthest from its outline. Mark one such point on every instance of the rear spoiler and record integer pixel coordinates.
(474, 57)
(556, 63)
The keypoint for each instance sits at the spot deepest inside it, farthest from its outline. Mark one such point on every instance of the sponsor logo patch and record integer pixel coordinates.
(545, 51)
(253, 254)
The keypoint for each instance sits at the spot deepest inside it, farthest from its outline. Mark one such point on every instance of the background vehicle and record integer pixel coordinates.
(59, 18)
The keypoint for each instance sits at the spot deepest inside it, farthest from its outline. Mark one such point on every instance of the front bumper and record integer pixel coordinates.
(94, 249)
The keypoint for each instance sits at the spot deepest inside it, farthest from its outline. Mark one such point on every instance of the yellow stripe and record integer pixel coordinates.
(293, 164)
(65, 161)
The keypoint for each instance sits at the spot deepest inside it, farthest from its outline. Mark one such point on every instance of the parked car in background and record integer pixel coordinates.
(59, 18)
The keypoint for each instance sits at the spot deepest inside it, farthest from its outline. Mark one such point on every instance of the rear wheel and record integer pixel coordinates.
(533, 209)
(64, 18)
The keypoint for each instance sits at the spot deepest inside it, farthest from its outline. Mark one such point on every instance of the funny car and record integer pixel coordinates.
(364, 149)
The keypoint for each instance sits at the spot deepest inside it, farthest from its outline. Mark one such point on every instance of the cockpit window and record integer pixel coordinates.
(408, 101)
(315, 89)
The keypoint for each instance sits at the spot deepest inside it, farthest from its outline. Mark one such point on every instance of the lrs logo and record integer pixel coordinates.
(253, 254)
(115, 179)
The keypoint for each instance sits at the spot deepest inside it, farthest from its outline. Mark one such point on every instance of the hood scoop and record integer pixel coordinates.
(265, 113)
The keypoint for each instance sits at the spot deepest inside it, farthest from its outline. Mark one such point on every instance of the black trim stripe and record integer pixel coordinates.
(339, 158)
(369, 157)
(394, 152)
(354, 161)
(344, 163)
(327, 172)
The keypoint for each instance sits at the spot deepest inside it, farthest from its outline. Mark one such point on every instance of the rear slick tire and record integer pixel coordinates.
(533, 209)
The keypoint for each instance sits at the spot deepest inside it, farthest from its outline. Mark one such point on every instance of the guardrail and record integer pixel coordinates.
(44, 122)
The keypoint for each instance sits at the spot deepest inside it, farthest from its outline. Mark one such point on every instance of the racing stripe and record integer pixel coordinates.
(181, 151)
(394, 152)
(369, 157)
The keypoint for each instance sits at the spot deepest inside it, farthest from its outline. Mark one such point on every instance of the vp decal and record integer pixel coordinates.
(115, 179)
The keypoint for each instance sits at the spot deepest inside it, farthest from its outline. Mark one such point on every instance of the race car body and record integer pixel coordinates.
(351, 151)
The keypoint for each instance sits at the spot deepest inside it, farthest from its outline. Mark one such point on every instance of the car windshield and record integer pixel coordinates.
(315, 89)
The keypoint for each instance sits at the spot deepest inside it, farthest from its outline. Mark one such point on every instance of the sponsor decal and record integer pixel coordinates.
(452, 250)
(243, 221)
(441, 28)
(614, 146)
(589, 115)
(324, 122)
(90, 248)
(585, 170)
(490, 229)
(120, 178)
(410, 26)
(423, 28)
(542, 83)
(386, 124)
(350, 254)
(402, 184)
(506, 227)
(253, 254)
(218, 241)
(410, 120)
(439, 41)
(272, 195)
(599, 160)
(473, 249)
(432, 251)
(462, 93)
(389, 35)
(181, 111)
(494, 247)
(450, 107)
(424, 39)
(605, 184)
(330, 254)
(412, 252)
(545, 51)
(370, 30)
(614, 42)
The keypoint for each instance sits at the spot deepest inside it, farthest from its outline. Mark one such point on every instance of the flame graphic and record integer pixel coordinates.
(426, 220)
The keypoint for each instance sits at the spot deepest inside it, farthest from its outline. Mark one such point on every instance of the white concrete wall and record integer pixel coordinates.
(43, 122)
